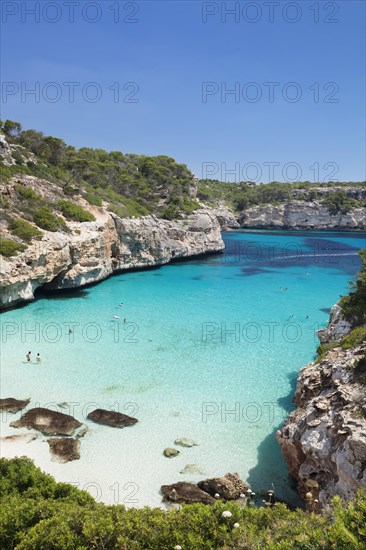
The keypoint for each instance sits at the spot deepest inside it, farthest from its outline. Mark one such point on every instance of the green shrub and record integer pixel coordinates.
(93, 199)
(26, 193)
(75, 212)
(38, 513)
(354, 305)
(44, 218)
(24, 230)
(354, 338)
(10, 248)
(323, 349)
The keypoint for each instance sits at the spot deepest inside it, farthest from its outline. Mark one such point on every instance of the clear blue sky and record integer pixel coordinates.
(169, 52)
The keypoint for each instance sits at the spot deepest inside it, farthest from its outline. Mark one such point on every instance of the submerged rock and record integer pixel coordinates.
(11, 405)
(184, 442)
(192, 469)
(64, 449)
(188, 493)
(47, 421)
(111, 418)
(18, 438)
(229, 487)
(169, 452)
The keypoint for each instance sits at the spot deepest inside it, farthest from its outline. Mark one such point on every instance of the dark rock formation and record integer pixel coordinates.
(47, 421)
(12, 405)
(169, 452)
(189, 493)
(64, 449)
(229, 487)
(111, 418)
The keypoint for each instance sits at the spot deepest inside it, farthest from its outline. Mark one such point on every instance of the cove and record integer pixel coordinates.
(210, 350)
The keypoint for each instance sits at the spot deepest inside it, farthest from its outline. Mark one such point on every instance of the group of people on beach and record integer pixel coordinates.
(29, 357)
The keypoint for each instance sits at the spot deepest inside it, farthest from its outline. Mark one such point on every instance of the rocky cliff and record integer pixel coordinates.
(91, 251)
(298, 214)
(324, 439)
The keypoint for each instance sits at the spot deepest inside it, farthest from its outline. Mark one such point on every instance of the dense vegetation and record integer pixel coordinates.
(354, 310)
(10, 248)
(354, 305)
(39, 514)
(137, 183)
(240, 196)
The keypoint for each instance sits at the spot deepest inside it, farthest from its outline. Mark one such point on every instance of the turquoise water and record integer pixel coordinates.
(210, 351)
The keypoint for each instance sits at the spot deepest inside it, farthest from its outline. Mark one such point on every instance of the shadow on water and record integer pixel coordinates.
(271, 461)
(63, 294)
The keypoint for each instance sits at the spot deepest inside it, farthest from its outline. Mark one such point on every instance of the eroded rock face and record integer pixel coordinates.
(324, 439)
(229, 487)
(92, 251)
(11, 405)
(64, 449)
(111, 418)
(338, 327)
(301, 215)
(188, 493)
(226, 218)
(47, 421)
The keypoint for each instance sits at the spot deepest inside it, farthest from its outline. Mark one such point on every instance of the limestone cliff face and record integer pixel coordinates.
(301, 215)
(94, 250)
(324, 439)
(338, 326)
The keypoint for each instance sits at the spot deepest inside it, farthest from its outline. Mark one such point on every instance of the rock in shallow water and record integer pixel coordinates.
(169, 452)
(192, 469)
(184, 442)
(47, 421)
(64, 449)
(111, 418)
(21, 438)
(188, 493)
(12, 405)
(229, 487)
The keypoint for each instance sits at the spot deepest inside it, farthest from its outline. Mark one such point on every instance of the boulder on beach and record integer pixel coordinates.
(111, 418)
(170, 452)
(188, 493)
(47, 421)
(64, 449)
(11, 405)
(184, 442)
(229, 487)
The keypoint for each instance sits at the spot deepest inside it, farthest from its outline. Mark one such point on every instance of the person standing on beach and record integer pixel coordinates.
(38, 358)
(29, 357)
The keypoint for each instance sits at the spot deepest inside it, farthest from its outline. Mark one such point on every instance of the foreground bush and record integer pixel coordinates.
(38, 513)
(44, 218)
(24, 230)
(75, 212)
(10, 248)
